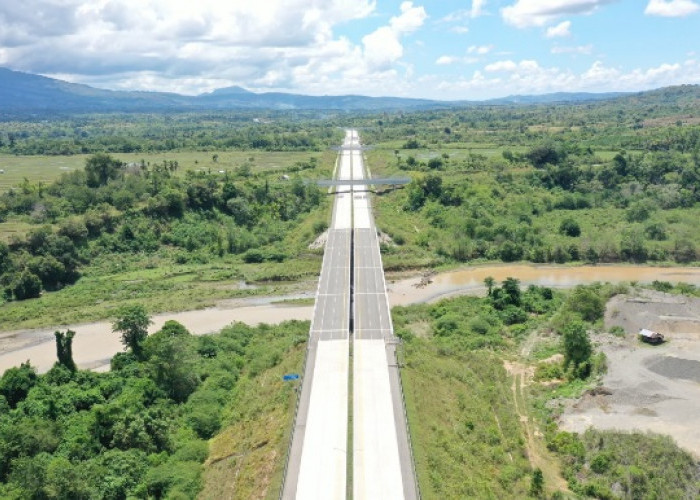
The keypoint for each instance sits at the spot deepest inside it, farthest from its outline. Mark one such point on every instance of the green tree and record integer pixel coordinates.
(544, 154)
(172, 358)
(4, 257)
(101, 168)
(16, 382)
(132, 323)
(26, 285)
(537, 483)
(577, 346)
(570, 227)
(511, 286)
(489, 282)
(587, 302)
(172, 328)
(64, 349)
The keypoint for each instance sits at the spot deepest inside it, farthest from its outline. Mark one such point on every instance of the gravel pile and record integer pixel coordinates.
(672, 367)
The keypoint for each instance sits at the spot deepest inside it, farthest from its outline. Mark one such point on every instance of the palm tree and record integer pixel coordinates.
(489, 282)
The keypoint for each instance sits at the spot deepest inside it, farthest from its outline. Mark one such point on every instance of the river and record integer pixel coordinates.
(94, 343)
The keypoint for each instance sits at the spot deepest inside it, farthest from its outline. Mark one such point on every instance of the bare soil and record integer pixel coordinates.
(647, 388)
(537, 453)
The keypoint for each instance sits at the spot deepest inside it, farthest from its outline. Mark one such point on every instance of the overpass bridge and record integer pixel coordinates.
(391, 181)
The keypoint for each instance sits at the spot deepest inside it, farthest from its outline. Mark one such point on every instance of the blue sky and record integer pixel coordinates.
(450, 49)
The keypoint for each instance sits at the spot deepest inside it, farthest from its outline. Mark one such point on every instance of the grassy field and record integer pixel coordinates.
(246, 459)
(466, 438)
(158, 284)
(49, 168)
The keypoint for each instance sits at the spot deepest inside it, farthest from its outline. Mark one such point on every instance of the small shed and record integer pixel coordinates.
(650, 336)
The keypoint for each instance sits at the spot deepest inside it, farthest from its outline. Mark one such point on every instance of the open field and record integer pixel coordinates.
(160, 286)
(46, 169)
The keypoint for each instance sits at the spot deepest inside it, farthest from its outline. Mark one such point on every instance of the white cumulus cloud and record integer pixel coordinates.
(445, 60)
(383, 46)
(501, 66)
(175, 45)
(528, 13)
(477, 7)
(671, 8)
(480, 49)
(560, 30)
(529, 77)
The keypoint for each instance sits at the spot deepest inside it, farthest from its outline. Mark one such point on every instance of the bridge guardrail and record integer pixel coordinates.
(405, 418)
(294, 420)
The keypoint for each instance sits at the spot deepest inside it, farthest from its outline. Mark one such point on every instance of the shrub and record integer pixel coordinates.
(549, 371)
(479, 325)
(618, 331)
(512, 315)
(205, 420)
(638, 211)
(587, 302)
(570, 227)
(253, 256)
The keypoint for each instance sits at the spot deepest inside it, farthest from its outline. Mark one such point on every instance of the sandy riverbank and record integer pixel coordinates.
(95, 343)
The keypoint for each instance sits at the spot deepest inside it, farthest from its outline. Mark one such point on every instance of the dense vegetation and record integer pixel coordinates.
(140, 133)
(609, 465)
(607, 182)
(611, 181)
(110, 208)
(552, 203)
(142, 429)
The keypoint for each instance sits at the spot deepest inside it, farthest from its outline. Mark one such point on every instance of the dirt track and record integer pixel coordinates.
(654, 388)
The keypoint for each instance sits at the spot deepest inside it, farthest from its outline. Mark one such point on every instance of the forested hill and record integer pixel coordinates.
(24, 92)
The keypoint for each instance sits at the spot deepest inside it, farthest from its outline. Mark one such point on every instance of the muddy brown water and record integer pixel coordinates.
(95, 344)
(471, 280)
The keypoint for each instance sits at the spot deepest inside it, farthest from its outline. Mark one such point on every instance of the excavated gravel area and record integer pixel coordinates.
(647, 388)
(675, 367)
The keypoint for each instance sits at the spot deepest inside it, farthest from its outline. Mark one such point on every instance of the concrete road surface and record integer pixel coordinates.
(318, 457)
(317, 463)
(382, 461)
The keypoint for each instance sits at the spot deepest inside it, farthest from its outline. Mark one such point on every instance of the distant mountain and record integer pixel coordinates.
(27, 92)
(236, 98)
(24, 92)
(557, 97)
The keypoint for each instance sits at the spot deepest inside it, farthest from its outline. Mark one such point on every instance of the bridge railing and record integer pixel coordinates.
(386, 181)
(399, 345)
(300, 388)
